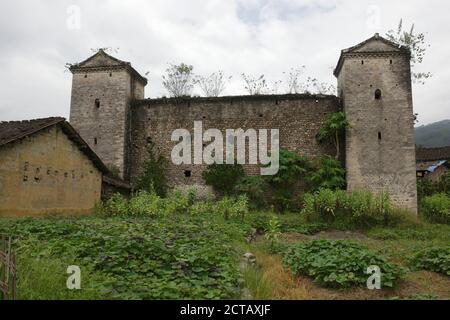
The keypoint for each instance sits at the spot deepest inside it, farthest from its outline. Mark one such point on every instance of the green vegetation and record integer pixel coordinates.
(435, 259)
(334, 126)
(436, 208)
(328, 173)
(359, 209)
(338, 263)
(434, 135)
(164, 257)
(223, 177)
(153, 177)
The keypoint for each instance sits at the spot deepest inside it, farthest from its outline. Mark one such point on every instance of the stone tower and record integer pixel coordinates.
(102, 89)
(374, 83)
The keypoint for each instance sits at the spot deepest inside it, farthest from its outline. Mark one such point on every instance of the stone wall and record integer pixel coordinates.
(380, 147)
(103, 126)
(298, 117)
(47, 173)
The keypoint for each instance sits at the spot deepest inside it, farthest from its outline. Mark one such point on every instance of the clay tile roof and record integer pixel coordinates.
(11, 131)
(103, 60)
(433, 154)
(14, 130)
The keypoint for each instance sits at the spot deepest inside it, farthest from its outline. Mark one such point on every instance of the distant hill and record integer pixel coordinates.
(434, 135)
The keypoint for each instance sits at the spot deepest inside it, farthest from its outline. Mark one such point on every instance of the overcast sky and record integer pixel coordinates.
(37, 38)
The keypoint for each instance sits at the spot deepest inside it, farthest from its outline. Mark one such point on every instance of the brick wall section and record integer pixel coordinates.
(380, 147)
(298, 117)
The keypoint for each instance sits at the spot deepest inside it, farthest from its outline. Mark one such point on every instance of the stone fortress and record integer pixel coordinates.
(110, 112)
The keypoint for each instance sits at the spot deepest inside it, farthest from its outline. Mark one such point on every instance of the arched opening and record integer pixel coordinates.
(97, 103)
(378, 94)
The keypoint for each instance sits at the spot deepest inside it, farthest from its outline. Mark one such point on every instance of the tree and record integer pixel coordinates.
(417, 45)
(223, 177)
(153, 178)
(327, 174)
(335, 124)
(178, 80)
(212, 85)
(255, 86)
(293, 80)
(292, 169)
(296, 85)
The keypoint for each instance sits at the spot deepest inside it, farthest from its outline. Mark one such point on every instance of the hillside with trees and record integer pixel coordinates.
(434, 135)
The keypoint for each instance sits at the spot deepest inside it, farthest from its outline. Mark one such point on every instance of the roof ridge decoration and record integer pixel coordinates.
(106, 62)
(354, 50)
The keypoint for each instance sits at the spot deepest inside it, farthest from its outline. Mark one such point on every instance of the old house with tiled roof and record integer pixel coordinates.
(46, 167)
(432, 163)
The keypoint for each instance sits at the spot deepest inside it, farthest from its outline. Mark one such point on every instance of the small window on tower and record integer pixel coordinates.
(97, 103)
(378, 94)
(379, 136)
(95, 141)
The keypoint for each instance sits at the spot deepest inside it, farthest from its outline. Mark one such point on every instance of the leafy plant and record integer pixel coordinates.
(231, 207)
(340, 264)
(116, 205)
(273, 231)
(293, 169)
(153, 178)
(436, 259)
(255, 188)
(332, 129)
(436, 208)
(176, 203)
(327, 174)
(157, 257)
(223, 177)
(359, 208)
(144, 204)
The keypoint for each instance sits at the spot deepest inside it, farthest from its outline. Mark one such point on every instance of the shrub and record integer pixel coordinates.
(199, 208)
(254, 187)
(223, 177)
(328, 173)
(260, 222)
(360, 208)
(338, 263)
(153, 177)
(436, 208)
(230, 207)
(144, 204)
(176, 203)
(273, 231)
(116, 205)
(436, 259)
(293, 169)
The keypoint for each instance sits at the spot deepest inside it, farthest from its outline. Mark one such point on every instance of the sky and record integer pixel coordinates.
(38, 38)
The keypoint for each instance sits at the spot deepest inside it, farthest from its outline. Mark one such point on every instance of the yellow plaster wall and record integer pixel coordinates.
(46, 173)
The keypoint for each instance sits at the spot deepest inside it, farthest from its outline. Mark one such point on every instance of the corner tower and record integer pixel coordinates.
(102, 89)
(374, 83)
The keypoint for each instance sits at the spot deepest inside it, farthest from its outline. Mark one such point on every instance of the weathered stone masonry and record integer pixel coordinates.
(298, 117)
(374, 90)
